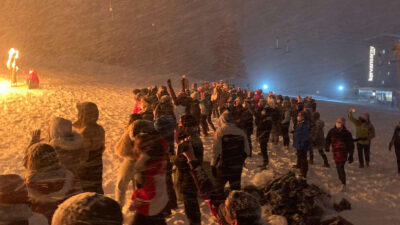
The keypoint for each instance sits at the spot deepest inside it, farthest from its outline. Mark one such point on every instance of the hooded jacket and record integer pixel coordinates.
(395, 138)
(365, 131)
(226, 127)
(93, 144)
(67, 143)
(48, 182)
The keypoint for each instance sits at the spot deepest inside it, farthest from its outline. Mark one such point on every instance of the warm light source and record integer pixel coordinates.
(13, 54)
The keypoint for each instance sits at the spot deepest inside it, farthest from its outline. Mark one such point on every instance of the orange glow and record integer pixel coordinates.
(13, 54)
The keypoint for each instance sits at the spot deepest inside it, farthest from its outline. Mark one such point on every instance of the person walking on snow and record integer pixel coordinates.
(318, 138)
(342, 148)
(365, 132)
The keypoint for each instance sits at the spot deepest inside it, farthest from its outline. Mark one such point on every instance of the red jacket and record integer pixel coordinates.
(32, 76)
(342, 143)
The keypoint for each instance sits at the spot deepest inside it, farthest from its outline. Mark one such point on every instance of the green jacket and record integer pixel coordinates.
(364, 131)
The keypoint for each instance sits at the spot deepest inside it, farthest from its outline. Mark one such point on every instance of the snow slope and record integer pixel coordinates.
(373, 192)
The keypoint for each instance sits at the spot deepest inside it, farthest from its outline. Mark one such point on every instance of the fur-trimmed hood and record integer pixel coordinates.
(62, 136)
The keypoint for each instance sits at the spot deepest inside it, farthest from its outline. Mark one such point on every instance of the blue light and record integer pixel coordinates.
(341, 88)
(265, 86)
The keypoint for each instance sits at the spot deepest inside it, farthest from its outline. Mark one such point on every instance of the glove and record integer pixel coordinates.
(214, 171)
(327, 149)
(351, 160)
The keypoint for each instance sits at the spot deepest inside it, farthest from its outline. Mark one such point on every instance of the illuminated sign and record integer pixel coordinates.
(372, 52)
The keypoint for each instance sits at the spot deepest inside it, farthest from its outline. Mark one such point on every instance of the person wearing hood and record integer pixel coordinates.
(67, 143)
(90, 209)
(150, 197)
(48, 183)
(183, 101)
(124, 148)
(91, 172)
(318, 138)
(396, 142)
(342, 148)
(365, 132)
(14, 203)
(229, 152)
(187, 136)
(302, 142)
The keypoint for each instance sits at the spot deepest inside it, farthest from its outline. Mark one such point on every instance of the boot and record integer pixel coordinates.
(311, 161)
(326, 164)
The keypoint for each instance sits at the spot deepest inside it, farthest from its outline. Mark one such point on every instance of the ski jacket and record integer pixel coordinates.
(150, 179)
(342, 144)
(365, 131)
(302, 136)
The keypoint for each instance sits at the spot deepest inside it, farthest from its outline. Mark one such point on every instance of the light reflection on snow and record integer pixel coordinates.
(6, 90)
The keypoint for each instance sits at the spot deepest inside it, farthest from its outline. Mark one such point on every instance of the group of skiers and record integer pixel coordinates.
(162, 153)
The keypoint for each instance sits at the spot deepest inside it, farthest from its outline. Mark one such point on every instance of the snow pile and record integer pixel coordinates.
(294, 199)
(261, 179)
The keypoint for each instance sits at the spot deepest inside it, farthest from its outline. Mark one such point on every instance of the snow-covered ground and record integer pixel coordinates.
(374, 192)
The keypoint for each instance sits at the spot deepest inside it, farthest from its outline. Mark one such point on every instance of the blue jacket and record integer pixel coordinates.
(302, 136)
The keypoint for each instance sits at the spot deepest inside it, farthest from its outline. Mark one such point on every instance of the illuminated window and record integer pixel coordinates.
(383, 52)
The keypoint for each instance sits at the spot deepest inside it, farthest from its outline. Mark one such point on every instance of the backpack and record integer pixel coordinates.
(233, 153)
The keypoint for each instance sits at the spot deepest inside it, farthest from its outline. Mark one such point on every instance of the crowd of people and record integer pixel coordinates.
(62, 183)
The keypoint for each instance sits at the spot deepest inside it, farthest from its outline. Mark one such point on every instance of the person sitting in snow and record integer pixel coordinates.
(14, 203)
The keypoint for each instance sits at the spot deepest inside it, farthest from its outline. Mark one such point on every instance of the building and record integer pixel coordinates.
(381, 82)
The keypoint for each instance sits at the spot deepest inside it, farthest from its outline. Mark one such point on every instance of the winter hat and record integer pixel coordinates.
(88, 113)
(41, 156)
(243, 206)
(13, 190)
(226, 117)
(88, 209)
(141, 126)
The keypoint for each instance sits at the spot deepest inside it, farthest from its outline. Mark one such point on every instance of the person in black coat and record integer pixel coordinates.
(396, 142)
(263, 131)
